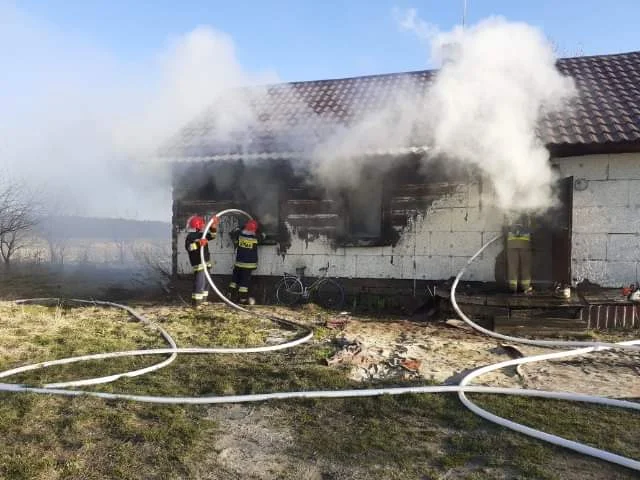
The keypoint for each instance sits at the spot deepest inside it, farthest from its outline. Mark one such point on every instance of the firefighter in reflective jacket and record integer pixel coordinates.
(246, 242)
(193, 242)
(518, 236)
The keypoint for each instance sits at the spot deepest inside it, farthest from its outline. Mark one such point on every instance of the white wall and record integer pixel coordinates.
(606, 218)
(435, 246)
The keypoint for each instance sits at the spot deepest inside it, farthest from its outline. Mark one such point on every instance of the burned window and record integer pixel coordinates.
(363, 211)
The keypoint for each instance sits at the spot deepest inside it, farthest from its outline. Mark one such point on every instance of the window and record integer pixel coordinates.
(364, 207)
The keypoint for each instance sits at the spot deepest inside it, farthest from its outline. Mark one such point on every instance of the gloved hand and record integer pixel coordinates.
(203, 242)
(215, 223)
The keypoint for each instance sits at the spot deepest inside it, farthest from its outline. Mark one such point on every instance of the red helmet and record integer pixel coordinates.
(251, 226)
(196, 222)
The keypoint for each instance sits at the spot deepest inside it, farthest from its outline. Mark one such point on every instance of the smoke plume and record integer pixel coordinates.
(84, 124)
(495, 82)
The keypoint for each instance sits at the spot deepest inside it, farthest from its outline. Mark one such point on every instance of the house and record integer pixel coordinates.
(408, 227)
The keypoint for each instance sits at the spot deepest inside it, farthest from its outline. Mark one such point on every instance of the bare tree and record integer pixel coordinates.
(19, 212)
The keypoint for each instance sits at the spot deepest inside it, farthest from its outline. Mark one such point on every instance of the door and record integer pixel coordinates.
(561, 232)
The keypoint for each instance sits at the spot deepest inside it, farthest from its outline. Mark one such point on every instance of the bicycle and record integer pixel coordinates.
(327, 292)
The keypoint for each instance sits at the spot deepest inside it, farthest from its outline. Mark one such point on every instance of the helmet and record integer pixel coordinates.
(196, 222)
(251, 226)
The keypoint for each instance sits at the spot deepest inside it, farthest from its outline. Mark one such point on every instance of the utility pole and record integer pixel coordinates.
(464, 13)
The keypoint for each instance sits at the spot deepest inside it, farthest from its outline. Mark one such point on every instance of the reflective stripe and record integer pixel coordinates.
(233, 285)
(205, 294)
(243, 290)
(193, 246)
(525, 238)
(196, 296)
(246, 265)
(199, 268)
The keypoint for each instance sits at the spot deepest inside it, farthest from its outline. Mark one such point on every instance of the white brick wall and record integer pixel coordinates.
(605, 242)
(606, 218)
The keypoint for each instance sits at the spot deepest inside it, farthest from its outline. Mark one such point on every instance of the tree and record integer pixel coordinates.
(19, 212)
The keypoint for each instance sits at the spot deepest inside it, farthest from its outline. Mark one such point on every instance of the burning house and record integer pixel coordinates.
(413, 221)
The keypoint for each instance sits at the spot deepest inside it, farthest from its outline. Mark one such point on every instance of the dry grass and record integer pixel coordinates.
(407, 437)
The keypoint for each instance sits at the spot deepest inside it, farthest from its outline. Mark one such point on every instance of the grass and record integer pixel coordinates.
(389, 437)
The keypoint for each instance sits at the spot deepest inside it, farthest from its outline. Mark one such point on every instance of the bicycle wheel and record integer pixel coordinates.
(329, 294)
(289, 291)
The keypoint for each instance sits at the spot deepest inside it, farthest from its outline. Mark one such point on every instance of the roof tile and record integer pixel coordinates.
(607, 109)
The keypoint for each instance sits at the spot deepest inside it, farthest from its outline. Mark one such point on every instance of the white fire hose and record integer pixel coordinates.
(61, 388)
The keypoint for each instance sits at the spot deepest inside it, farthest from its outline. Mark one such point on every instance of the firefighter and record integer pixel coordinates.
(193, 242)
(518, 247)
(246, 242)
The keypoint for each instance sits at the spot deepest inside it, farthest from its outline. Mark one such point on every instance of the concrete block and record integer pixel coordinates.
(588, 246)
(481, 270)
(289, 263)
(593, 270)
(405, 246)
(603, 193)
(476, 219)
(474, 195)
(222, 263)
(591, 167)
(455, 243)
(422, 243)
(435, 220)
(459, 198)
(634, 194)
(384, 266)
(409, 267)
(620, 273)
(433, 267)
(364, 251)
(623, 248)
(317, 246)
(624, 166)
(606, 220)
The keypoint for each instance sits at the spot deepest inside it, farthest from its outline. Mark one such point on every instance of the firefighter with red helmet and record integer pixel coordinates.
(193, 242)
(246, 242)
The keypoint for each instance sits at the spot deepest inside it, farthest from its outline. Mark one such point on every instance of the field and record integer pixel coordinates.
(399, 437)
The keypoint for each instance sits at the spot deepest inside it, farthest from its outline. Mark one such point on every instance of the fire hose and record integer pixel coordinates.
(63, 388)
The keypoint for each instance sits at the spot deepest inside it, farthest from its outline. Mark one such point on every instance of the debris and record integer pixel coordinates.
(410, 364)
(452, 322)
(339, 322)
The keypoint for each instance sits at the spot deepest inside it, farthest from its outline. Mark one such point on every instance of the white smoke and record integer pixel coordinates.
(78, 119)
(495, 82)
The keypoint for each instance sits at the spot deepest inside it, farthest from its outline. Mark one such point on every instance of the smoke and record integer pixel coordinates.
(84, 124)
(496, 81)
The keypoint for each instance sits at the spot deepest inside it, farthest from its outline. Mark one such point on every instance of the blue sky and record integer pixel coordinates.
(329, 38)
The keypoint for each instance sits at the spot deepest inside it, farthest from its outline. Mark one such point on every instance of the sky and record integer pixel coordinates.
(85, 82)
(312, 39)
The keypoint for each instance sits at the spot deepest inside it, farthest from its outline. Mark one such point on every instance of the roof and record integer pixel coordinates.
(289, 117)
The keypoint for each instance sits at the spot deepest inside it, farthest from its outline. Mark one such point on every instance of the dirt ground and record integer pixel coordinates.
(445, 354)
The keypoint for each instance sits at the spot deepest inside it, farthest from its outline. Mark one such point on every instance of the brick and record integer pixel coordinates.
(623, 248)
(624, 166)
(603, 193)
(587, 246)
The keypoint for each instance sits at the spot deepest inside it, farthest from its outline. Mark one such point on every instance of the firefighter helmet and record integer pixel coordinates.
(196, 222)
(251, 226)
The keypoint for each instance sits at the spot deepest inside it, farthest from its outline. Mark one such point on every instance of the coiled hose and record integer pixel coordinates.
(62, 388)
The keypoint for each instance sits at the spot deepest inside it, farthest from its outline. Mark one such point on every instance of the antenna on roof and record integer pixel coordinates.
(464, 13)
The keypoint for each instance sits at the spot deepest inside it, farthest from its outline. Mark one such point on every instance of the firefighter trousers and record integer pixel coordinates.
(241, 281)
(518, 268)
(200, 291)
